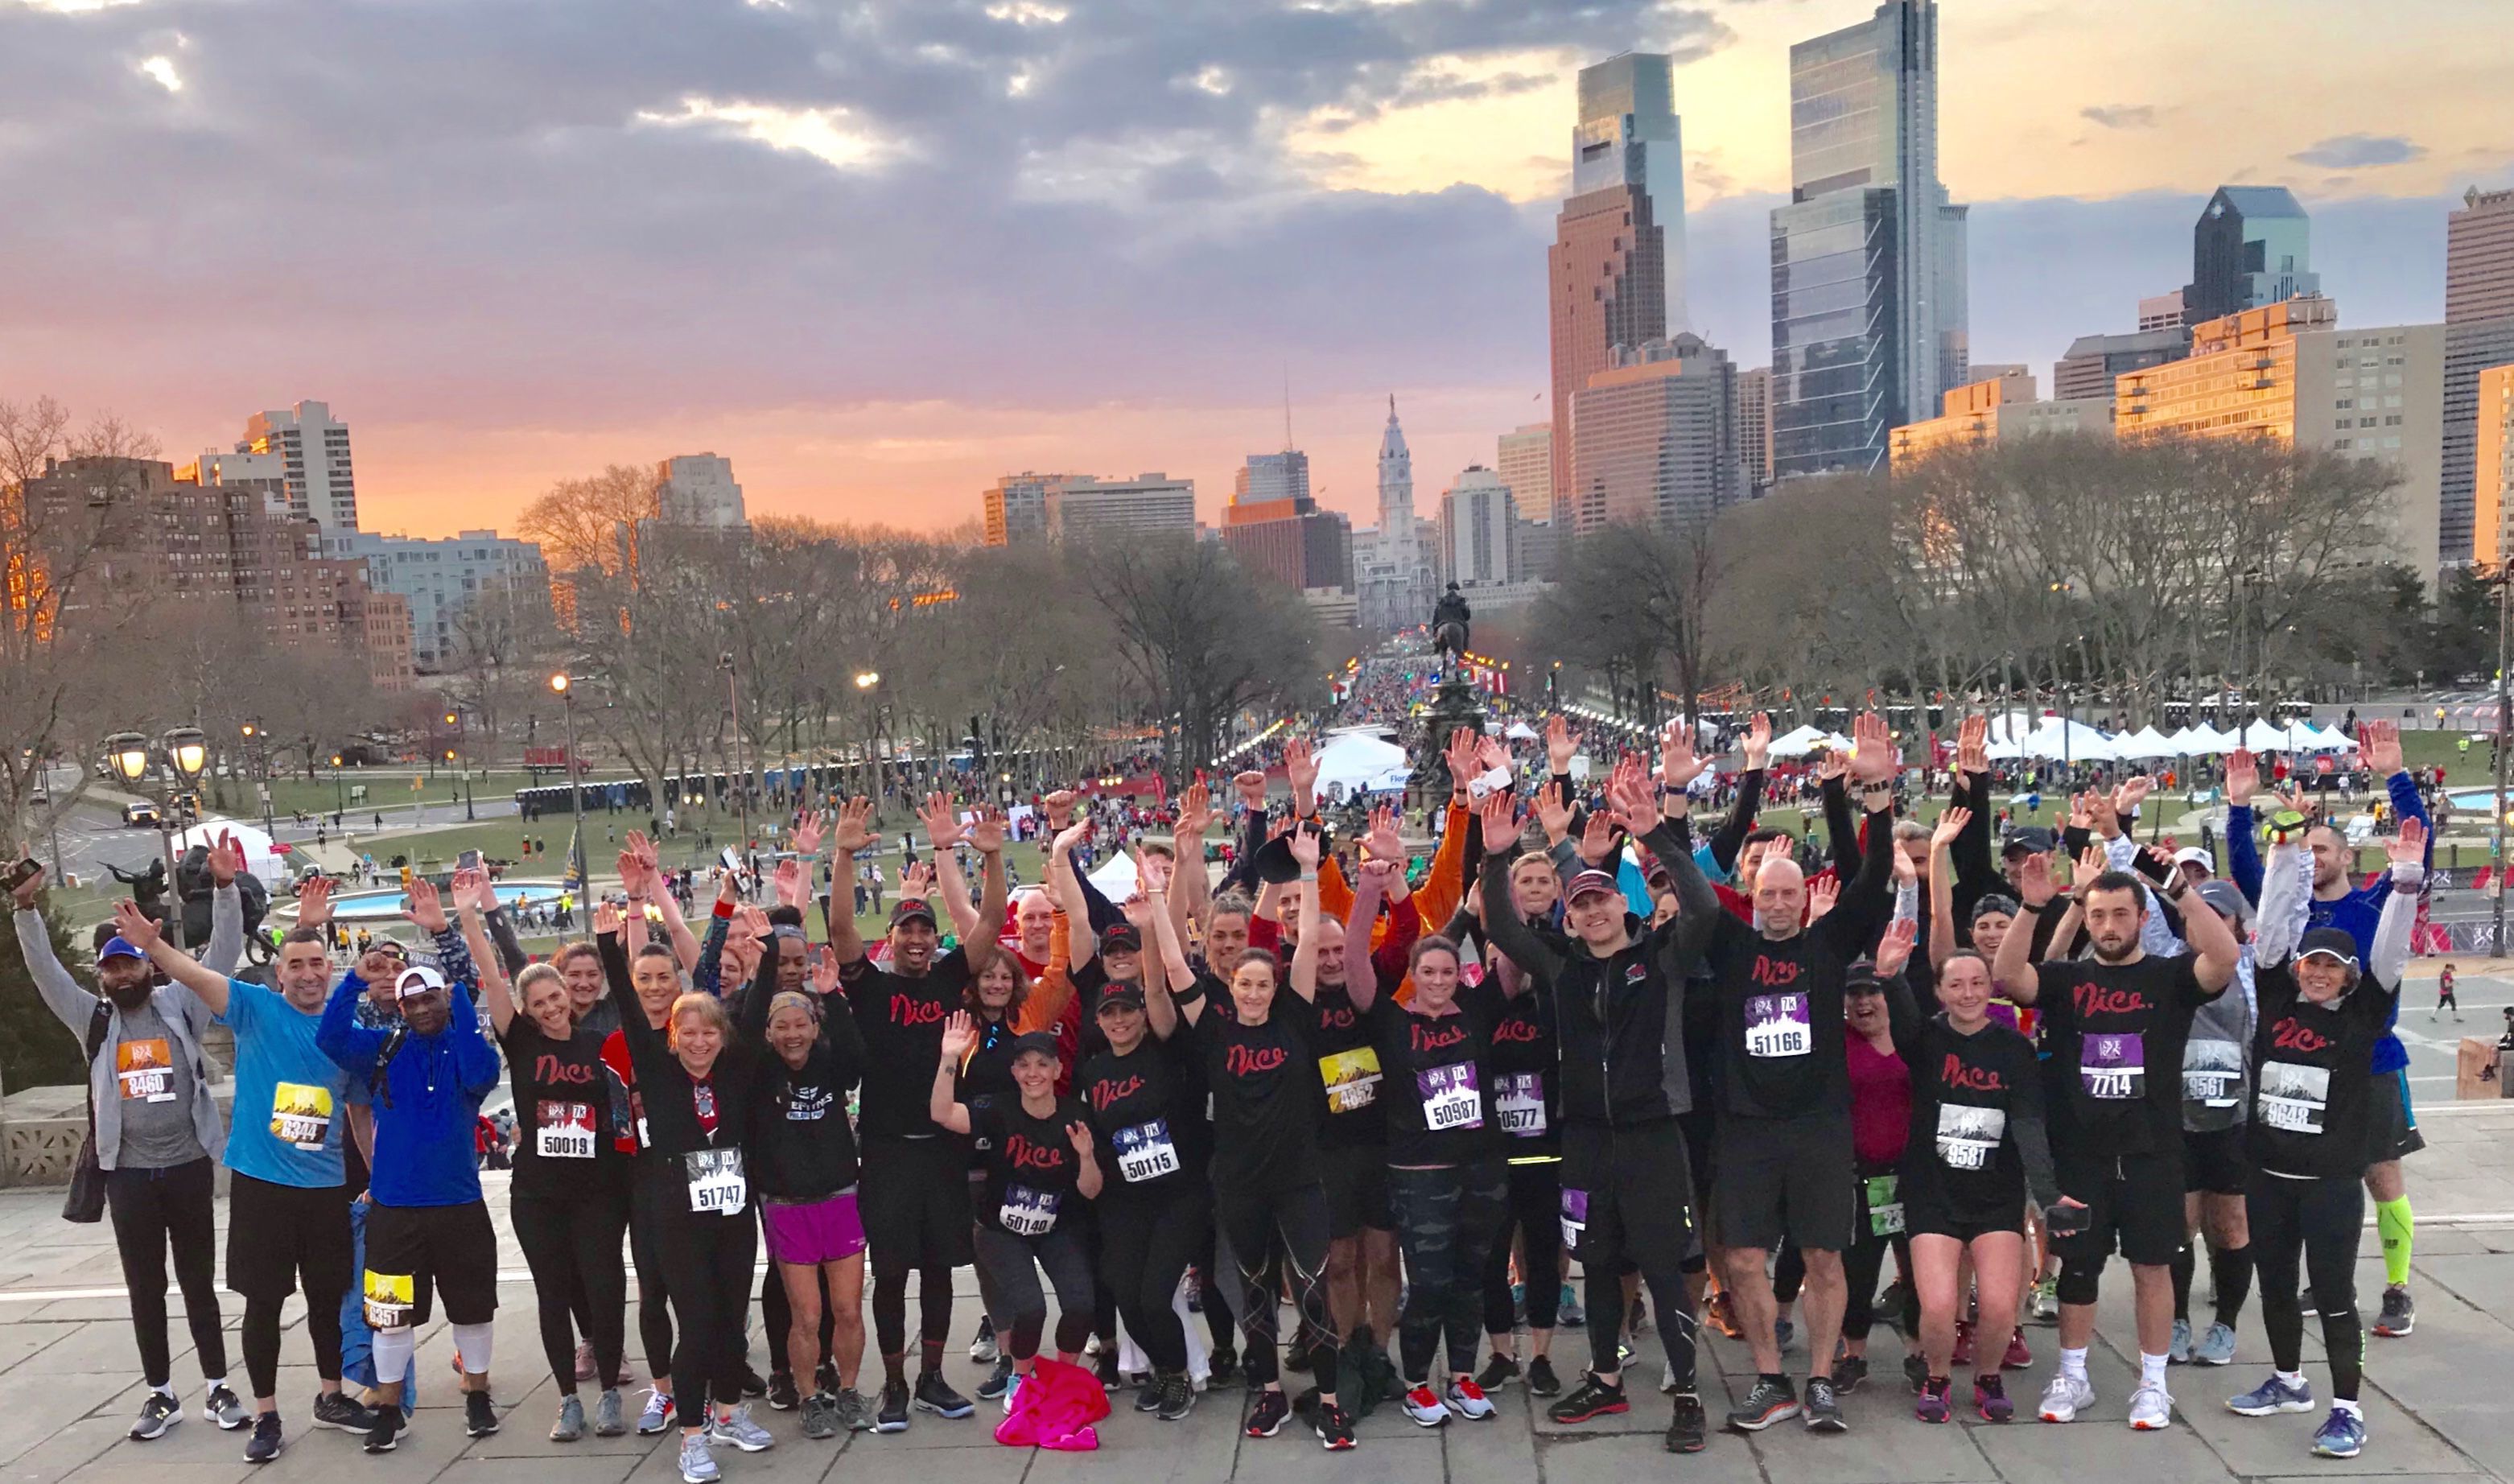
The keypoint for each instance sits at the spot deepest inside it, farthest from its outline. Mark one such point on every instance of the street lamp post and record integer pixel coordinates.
(339, 796)
(742, 780)
(2505, 580)
(186, 753)
(259, 741)
(565, 690)
(865, 680)
(453, 719)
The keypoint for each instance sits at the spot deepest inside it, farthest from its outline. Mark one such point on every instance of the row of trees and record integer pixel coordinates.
(2112, 575)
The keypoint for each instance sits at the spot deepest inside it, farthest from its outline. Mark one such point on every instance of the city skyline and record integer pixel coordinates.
(511, 254)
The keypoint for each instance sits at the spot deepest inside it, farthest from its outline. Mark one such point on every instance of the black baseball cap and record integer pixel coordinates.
(1120, 937)
(2328, 942)
(1038, 1041)
(1120, 997)
(2028, 840)
(1860, 978)
(911, 907)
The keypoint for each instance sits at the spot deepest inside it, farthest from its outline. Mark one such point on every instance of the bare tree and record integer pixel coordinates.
(594, 521)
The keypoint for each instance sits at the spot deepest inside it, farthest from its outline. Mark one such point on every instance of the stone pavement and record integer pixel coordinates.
(2434, 1403)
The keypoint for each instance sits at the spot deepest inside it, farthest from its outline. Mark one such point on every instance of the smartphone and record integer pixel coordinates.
(467, 860)
(2065, 1221)
(20, 873)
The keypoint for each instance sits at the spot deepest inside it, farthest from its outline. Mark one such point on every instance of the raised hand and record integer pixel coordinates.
(1598, 837)
(468, 883)
(633, 874)
(2410, 845)
(1758, 744)
(793, 887)
(1628, 793)
(24, 892)
(1894, 950)
(1153, 872)
(1490, 752)
(2131, 793)
(606, 920)
(1460, 757)
(2243, 777)
(2378, 743)
(2102, 815)
(918, 880)
(1305, 847)
(132, 926)
(647, 856)
(2082, 810)
(1251, 784)
(1950, 825)
(2091, 863)
(808, 831)
(1302, 769)
(753, 924)
(1562, 743)
(1832, 763)
(1822, 892)
(1972, 745)
(1195, 812)
(2034, 886)
(1060, 806)
(941, 817)
(314, 901)
(1383, 843)
(1905, 873)
(1502, 825)
(853, 831)
(1553, 811)
(1069, 837)
(1677, 763)
(425, 909)
(1874, 758)
(825, 972)
(986, 834)
(227, 859)
(960, 1033)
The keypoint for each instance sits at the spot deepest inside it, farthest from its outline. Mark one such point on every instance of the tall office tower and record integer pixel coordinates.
(1629, 135)
(1272, 477)
(1755, 431)
(1478, 545)
(699, 490)
(1524, 459)
(321, 486)
(2251, 247)
(2493, 529)
(2478, 334)
(1869, 295)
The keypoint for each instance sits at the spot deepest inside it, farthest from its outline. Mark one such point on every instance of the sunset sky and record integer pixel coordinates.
(879, 253)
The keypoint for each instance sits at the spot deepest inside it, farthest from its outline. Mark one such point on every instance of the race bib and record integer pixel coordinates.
(1351, 1079)
(1969, 1135)
(2112, 1065)
(387, 1300)
(2213, 1073)
(1145, 1151)
(1575, 1219)
(301, 1115)
(564, 1130)
(1027, 1211)
(2294, 1099)
(1882, 1195)
(145, 1070)
(1518, 1101)
(718, 1187)
(1451, 1098)
(1777, 1025)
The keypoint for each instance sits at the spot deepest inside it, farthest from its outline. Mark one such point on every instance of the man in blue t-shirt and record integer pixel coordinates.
(288, 1202)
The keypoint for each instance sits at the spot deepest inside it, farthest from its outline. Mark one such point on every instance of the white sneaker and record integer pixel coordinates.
(2064, 1397)
(736, 1428)
(2151, 1409)
(698, 1465)
(1469, 1402)
(1422, 1405)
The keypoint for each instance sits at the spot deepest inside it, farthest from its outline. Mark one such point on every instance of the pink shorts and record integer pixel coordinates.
(814, 1232)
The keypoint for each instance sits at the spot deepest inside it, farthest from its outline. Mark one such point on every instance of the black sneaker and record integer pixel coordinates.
(1590, 1400)
(1541, 1380)
(1637, 1323)
(825, 1379)
(780, 1391)
(1335, 1430)
(1297, 1358)
(334, 1409)
(1686, 1433)
(1147, 1396)
(1769, 1402)
(751, 1383)
(386, 1435)
(157, 1413)
(1823, 1410)
(266, 1442)
(1110, 1380)
(935, 1394)
(1265, 1418)
(999, 1379)
(1498, 1371)
(479, 1413)
(2399, 1315)
(1226, 1369)
(1916, 1370)
(221, 1407)
(1177, 1397)
(1849, 1372)
(893, 1415)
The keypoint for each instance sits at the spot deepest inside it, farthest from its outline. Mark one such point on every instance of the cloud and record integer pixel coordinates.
(2360, 152)
(2121, 115)
(161, 71)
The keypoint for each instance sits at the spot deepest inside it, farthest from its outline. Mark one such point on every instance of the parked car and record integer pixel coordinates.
(139, 815)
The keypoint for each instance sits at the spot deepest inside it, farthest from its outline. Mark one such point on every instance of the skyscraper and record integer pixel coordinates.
(315, 450)
(1524, 459)
(1478, 545)
(699, 490)
(2478, 334)
(1654, 440)
(2479, 257)
(1869, 311)
(2251, 247)
(1392, 562)
(1272, 477)
(1274, 528)
(1755, 429)
(1629, 135)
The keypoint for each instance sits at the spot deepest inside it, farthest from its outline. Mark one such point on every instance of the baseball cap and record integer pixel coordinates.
(118, 947)
(1591, 881)
(1994, 901)
(1120, 997)
(911, 907)
(2225, 898)
(2193, 855)
(2027, 839)
(1034, 1041)
(416, 979)
(1120, 937)
(1860, 978)
(2328, 942)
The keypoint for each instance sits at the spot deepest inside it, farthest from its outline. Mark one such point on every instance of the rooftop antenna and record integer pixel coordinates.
(1288, 407)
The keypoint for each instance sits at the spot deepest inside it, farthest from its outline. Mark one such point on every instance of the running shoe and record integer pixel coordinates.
(1468, 1400)
(825, 1377)
(2151, 1409)
(1768, 1402)
(266, 1442)
(820, 1415)
(1933, 1405)
(2020, 1354)
(2216, 1348)
(2341, 1436)
(2178, 1351)
(1423, 1405)
(1990, 1399)
(656, 1414)
(894, 1408)
(983, 1347)
(732, 1425)
(753, 1384)
(2063, 1398)
(479, 1413)
(698, 1465)
(1823, 1409)
(2044, 1307)
(1012, 1389)
(782, 1396)
(1226, 1368)
(1637, 1323)
(1849, 1372)
(386, 1435)
(1590, 1400)
(570, 1425)
(854, 1413)
(1177, 1397)
(1688, 1429)
(221, 1407)
(1335, 1430)
(2399, 1316)
(1890, 1304)
(584, 1360)
(1110, 1380)
(935, 1394)
(1147, 1396)
(1916, 1372)
(2271, 1397)
(1567, 1312)
(1265, 1418)
(1296, 1360)
(607, 1421)
(1720, 1311)
(1784, 1335)
(998, 1379)
(334, 1409)
(1499, 1371)
(1964, 1342)
(1541, 1380)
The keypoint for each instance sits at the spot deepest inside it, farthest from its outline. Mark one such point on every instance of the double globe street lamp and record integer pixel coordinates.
(182, 754)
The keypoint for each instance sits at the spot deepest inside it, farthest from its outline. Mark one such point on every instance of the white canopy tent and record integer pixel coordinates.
(1519, 730)
(1803, 741)
(2264, 737)
(1117, 877)
(2061, 737)
(2145, 742)
(2323, 738)
(261, 855)
(1355, 762)
(2203, 741)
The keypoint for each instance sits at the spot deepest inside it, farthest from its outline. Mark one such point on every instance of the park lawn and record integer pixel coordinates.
(385, 787)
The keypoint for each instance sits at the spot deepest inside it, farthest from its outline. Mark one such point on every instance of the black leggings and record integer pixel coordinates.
(654, 1290)
(260, 1340)
(1861, 1267)
(890, 1270)
(2315, 1225)
(1534, 1212)
(155, 1210)
(706, 1264)
(1011, 1265)
(1294, 1223)
(1145, 1243)
(1446, 1219)
(572, 1245)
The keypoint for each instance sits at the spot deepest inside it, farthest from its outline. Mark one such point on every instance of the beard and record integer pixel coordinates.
(130, 995)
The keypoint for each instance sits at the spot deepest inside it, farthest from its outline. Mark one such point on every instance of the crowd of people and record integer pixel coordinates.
(1726, 1076)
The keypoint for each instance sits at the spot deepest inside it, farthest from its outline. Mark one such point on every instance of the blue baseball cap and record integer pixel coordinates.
(118, 947)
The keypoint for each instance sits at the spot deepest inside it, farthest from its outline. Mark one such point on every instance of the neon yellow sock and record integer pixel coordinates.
(2394, 1224)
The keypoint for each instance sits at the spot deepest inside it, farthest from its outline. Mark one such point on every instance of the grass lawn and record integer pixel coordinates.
(385, 786)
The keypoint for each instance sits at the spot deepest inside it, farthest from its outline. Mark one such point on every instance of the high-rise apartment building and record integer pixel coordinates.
(439, 579)
(264, 473)
(1998, 408)
(1015, 507)
(2095, 362)
(2492, 524)
(1084, 509)
(1755, 431)
(1629, 135)
(1524, 457)
(2251, 247)
(1479, 529)
(1869, 292)
(1653, 438)
(699, 490)
(314, 451)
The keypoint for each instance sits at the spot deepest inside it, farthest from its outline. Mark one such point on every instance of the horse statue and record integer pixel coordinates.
(1449, 620)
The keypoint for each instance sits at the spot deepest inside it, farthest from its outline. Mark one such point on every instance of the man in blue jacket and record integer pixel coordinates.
(2338, 903)
(429, 1228)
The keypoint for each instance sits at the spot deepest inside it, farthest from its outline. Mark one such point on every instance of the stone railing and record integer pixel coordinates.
(40, 1129)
